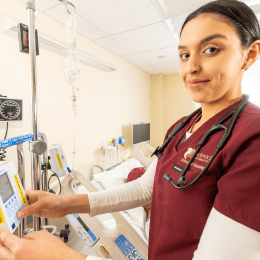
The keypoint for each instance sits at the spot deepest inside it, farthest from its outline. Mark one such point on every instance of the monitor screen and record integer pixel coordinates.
(141, 133)
(6, 191)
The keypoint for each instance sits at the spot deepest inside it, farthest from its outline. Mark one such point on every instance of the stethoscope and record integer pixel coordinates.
(216, 127)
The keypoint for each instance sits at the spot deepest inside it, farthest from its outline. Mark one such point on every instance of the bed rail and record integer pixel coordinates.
(138, 154)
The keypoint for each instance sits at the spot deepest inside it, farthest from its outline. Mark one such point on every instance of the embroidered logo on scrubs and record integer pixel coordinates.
(200, 157)
(189, 153)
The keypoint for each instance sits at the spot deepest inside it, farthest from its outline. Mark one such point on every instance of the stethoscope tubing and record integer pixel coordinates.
(216, 127)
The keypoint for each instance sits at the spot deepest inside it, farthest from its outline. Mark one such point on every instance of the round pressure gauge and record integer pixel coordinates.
(10, 110)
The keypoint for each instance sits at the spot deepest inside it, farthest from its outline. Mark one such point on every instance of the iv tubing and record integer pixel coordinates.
(75, 113)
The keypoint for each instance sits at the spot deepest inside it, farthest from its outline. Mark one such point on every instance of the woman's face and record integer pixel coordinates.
(218, 60)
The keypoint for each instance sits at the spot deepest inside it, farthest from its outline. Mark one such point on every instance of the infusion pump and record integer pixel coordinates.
(12, 196)
(58, 160)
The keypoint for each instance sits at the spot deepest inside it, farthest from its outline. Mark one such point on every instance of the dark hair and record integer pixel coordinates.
(235, 13)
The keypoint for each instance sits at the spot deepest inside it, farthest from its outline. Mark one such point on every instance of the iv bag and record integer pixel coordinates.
(72, 67)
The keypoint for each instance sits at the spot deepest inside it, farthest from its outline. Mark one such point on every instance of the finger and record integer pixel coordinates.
(36, 213)
(48, 214)
(36, 234)
(5, 253)
(32, 196)
(31, 235)
(9, 240)
(31, 210)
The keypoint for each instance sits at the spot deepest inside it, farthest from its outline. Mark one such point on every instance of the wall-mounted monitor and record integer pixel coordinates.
(141, 133)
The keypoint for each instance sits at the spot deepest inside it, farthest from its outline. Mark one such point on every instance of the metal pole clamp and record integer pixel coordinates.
(30, 5)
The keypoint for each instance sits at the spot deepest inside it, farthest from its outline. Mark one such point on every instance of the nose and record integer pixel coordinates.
(193, 65)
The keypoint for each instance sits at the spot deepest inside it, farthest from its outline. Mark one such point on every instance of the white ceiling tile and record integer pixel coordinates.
(151, 57)
(168, 68)
(113, 46)
(172, 8)
(175, 23)
(251, 2)
(147, 38)
(83, 27)
(135, 60)
(117, 16)
(150, 70)
(43, 5)
(256, 8)
(87, 29)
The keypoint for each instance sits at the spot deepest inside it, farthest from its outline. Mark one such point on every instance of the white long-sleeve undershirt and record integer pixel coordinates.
(127, 196)
(130, 195)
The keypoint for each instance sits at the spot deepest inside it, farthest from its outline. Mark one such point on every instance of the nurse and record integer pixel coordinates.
(218, 217)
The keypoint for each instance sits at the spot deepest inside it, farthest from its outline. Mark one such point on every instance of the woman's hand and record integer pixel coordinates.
(49, 205)
(44, 204)
(39, 245)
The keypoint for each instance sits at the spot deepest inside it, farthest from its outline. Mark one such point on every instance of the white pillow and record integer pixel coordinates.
(118, 175)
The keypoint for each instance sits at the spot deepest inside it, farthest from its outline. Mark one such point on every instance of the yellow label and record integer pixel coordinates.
(2, 220)
(59, 160)
(19, 186)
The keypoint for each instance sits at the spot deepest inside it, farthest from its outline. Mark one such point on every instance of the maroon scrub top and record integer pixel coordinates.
(231, 185)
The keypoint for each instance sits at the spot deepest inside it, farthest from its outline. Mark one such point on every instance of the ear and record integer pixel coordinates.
(253, 54)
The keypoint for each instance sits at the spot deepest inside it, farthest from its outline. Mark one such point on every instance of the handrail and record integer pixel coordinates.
(16, 140)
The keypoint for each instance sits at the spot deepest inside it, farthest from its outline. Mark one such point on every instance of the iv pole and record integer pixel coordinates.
(35, 158)
(39, 145)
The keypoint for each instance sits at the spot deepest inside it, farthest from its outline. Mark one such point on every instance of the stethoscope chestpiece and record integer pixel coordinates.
(182, 180)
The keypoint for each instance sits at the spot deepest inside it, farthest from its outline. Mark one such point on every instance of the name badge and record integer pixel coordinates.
(177, 168)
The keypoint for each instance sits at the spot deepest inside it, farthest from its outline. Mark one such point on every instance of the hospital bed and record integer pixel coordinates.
(114, 236)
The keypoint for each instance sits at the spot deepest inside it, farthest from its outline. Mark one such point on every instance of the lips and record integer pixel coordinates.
(194, 81)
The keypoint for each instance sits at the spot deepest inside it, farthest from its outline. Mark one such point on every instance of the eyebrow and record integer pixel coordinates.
(213, 36)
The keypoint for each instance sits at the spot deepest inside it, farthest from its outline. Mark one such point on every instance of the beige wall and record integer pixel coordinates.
(107, 103)
(169, 102)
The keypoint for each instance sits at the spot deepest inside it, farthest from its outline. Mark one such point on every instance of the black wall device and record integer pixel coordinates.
(11, 109)
(23, 37)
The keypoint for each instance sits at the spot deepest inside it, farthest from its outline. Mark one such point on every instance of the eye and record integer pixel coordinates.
(212, 48)
(181, 56)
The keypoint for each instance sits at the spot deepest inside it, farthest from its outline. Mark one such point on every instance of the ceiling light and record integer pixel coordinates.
(9, 27)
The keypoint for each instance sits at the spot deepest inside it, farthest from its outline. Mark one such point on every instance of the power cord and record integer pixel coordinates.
(53, 175)
(3, 151)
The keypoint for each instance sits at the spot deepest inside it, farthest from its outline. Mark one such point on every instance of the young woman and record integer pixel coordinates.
(219, 216)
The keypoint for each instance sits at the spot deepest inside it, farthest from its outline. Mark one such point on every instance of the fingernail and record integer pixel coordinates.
(20, 214)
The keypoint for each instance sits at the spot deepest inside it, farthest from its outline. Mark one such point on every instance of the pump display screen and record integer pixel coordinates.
(6, 191)
(82, 223)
